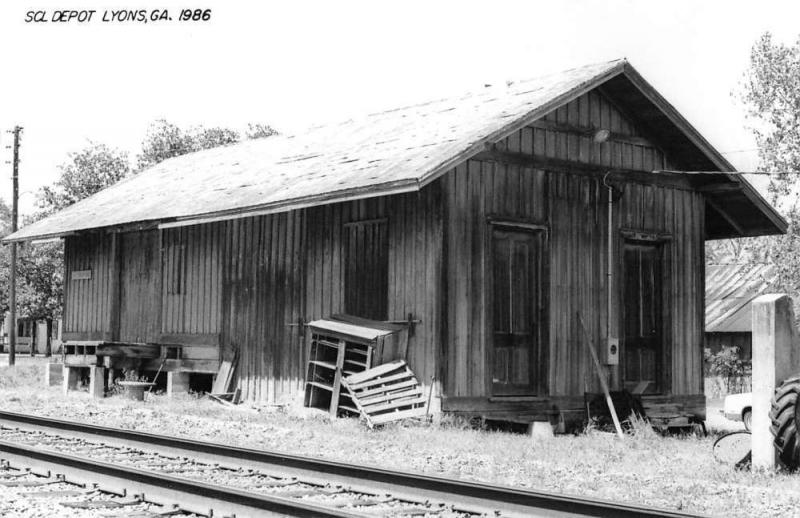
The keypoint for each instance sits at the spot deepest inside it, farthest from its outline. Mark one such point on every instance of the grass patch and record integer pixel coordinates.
(670, 472)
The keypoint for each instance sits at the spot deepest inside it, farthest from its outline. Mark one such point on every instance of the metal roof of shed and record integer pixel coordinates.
(730, 291)
(390, 152)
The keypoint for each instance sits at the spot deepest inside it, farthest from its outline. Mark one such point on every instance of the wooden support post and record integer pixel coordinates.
(71, 378)
(337, 379)
(97, 380)
(177, 383)
(775, 358)
(53, 374)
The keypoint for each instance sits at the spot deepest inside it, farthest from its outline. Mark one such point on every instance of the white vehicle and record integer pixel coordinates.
(738, 407)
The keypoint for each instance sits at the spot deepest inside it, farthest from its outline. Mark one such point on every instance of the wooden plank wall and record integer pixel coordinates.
(192, 279)
(473, 192)
(87, 302)
(262, 295)
(574, 208)
(415, 265)
(140, 287)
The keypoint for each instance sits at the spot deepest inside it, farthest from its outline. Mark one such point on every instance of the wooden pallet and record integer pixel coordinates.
(386, 393)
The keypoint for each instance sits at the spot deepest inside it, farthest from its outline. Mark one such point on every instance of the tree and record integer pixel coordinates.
(40, 267)
(771, 94)
(84, 173)
(5, 256)
(255, 131)
(166, 140)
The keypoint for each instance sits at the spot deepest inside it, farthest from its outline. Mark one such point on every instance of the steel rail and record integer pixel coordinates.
(484, 496)
(196, 497)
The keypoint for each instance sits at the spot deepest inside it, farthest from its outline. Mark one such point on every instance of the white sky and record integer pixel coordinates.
(295, 64)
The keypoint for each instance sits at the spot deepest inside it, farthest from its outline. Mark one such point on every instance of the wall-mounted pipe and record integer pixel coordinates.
(612, 343)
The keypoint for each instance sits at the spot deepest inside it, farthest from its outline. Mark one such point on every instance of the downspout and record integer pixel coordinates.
(612, 342)
(610, 253)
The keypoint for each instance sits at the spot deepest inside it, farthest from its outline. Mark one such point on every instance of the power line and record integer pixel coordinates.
(759, 173)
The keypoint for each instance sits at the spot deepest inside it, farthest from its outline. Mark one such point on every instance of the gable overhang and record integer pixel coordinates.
(734, 208)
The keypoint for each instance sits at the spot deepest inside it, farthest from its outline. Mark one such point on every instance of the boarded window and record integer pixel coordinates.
(366, 269)
(174, 243)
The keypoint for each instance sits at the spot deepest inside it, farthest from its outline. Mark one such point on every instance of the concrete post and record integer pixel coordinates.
(177, 383)
(97, 380)
(71, 377)
(775, 358)
(53, 374)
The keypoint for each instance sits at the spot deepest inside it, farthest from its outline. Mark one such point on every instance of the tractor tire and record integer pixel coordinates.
(785, 417)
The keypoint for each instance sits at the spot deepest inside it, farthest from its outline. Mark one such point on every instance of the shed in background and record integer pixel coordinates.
(730, 290)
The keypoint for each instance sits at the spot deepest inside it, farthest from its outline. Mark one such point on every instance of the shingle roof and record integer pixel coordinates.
(730, 290)
(393, 151)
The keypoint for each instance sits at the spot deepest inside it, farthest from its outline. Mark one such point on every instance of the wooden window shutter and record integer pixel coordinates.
(366, 269)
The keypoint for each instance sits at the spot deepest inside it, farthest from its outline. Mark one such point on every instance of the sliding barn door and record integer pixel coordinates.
(518, 352)
(140, 293)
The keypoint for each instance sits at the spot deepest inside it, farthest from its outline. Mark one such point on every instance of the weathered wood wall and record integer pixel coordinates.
(88, 302)
(572, 203)
(415, 265)
(139, 287)
(243, 283)
(262, 296)
(192, 279)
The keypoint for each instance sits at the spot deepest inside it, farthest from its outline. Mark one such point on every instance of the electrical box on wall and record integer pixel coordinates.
(612, 351)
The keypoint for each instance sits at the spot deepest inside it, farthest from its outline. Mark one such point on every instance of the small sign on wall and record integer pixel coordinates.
(80, 275)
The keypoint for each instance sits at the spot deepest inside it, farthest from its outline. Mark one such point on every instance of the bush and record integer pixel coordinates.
(727, 364)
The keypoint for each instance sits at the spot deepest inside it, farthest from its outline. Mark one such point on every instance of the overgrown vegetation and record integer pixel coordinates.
(728, 365)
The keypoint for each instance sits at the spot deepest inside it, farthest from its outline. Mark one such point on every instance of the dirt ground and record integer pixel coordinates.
(677, 472)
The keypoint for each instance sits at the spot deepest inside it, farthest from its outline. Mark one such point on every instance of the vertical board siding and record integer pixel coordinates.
(140, 287)
(574, 209)
(191, 281)
(87, 302)
(251, 279)
(414, 232)
(263, 287)
(473, 192)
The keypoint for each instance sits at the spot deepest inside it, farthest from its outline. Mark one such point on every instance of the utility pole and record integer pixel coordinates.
(12, 295)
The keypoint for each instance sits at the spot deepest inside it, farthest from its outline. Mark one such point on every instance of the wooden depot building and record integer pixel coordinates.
(484, 218)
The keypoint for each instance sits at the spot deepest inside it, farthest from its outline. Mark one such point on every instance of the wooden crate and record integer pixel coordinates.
(386, 393)
(332, 356)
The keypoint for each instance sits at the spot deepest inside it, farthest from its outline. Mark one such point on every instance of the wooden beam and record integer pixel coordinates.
(182, 365)
(90, 336)
(720, 187)
(210, 339)
(122, 350)
(589, 132)
(714, 205)
(114, 288)
(571, 167)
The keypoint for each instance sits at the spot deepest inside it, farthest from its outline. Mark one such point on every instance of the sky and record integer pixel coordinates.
(294, 64)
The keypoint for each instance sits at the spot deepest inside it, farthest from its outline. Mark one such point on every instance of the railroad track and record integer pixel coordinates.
(213, 479)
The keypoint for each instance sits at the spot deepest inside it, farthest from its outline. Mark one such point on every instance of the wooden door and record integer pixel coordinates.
(139, 291)
(518, 317)
(642, 353)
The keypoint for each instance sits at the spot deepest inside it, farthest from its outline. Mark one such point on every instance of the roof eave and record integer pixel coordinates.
(705, 146)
